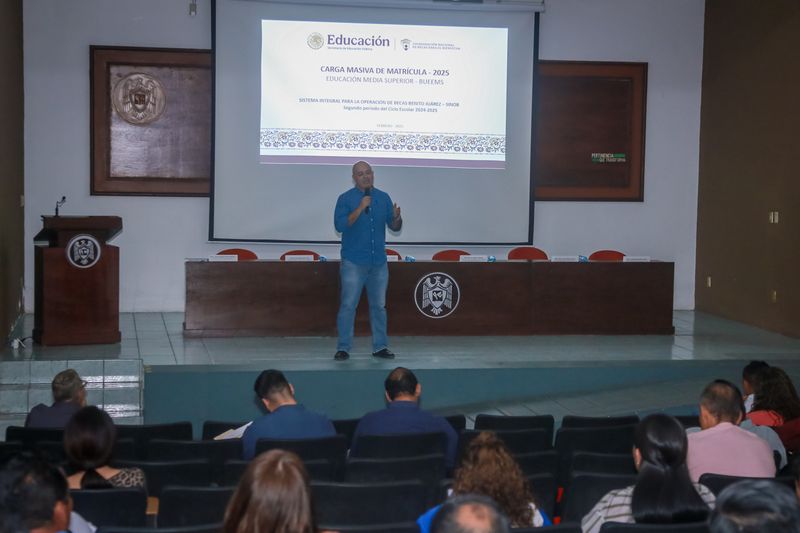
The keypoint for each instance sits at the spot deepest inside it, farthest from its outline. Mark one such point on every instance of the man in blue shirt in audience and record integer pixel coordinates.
(286, 419)
(403, 414)
(361, 216)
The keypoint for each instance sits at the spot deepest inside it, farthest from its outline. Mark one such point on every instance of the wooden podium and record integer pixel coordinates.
(76, 293)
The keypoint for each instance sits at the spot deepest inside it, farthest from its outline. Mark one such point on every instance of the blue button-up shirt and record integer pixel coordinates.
(364, 243)
(286, 422)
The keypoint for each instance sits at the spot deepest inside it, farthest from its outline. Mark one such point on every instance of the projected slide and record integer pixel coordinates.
(397, 95)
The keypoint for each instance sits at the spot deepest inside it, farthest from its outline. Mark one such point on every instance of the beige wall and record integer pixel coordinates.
(11, 168)
(749, 148)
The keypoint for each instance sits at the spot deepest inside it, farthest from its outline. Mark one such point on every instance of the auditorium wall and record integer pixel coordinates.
(746, 260)
(159, 233)
(11, 174)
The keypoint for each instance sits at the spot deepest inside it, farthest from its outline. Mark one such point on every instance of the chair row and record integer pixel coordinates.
(343, 505)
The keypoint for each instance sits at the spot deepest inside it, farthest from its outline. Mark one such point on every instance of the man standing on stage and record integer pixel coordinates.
(361, 216)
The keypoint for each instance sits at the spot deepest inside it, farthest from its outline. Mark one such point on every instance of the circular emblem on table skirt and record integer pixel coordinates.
(139, 98)
(437, 295)
(83, 251)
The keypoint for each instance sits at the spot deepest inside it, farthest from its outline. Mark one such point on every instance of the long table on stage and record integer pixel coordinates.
(277, 298)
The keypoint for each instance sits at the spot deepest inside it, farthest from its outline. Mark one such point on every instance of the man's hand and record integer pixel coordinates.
(365, 201)
(397, 221)
(396, 211)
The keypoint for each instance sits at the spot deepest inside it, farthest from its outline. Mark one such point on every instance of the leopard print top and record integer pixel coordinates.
(128, 478)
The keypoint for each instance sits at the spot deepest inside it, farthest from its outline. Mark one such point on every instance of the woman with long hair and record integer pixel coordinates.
(776, 400)
(88, 442)
(489, 469)
(663, 493)
(273, 496)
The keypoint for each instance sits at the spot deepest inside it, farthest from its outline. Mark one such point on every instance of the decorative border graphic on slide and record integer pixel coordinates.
(331, 146)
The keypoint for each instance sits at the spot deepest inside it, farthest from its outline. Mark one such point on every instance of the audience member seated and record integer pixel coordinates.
(755, 506)
(273, 496)
(470, 513)
(776, 399)
(722, 447)
(489, 469)
(34, 497)
(286, 419)
(403, 414)
(751, 381)
(88, 442)
(663, 493)
(69, 395)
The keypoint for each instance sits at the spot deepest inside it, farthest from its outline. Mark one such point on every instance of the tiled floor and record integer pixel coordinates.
(115, 372)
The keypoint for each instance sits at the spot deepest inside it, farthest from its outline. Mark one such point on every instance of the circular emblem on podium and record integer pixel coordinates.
(315, 41)
(83, 251)
(139, 98)
(437, 295)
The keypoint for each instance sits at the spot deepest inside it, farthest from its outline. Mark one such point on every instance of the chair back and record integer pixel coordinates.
(689, 421)
(430, 469)
(350, 504)
(531, 253)
(242, 254)
(403, 527)
(192, 506)
(215, 452)
(333, 449)
(606, 255)
(312, 253)
(717, 482)
(399, 445)
(459, 422)
(538, 463)
(585, 490)
(205, 528)
(519, 441)
(616, 527)
(448, 255)
(505, 423)
(611, 439)
(544, 490)
(28, 437)
(571, 421)
(603, 463)
(346, 427)
(159, 474)
(563, 527)
(111, 507)
(144, 433)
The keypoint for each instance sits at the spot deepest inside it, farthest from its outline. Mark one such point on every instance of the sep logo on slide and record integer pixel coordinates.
(83, 251)
(315, 41)
(437, 295)
(406, 44)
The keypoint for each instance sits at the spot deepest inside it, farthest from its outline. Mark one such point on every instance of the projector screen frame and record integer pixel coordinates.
(522, 6)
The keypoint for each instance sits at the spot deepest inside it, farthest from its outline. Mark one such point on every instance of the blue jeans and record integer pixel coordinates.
(353, 279)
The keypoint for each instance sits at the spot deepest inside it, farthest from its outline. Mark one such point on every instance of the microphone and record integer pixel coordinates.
(367, 192)
(60, 203)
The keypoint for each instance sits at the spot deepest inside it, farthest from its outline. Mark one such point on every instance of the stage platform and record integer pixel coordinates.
(156, 375)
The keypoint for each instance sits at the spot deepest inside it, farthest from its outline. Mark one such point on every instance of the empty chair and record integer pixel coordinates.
(585, 490)
(213, 428)
(346, 427)
(717, 482)
(448, 255)
(333, 449)
(544, 490)
(315, 255)
(603, 463)
(430, 469)
(8, 449)
(400, 445)
(506, 423)
(538, 462)
(459, 422)
(344, 504)
(518, 441)
(612, 439)
(318, 470)
(143, 433)
(571, 421)
(190, 506)
(206, 528)
(531, 253)
(159, 474)
(615, 527)
(216, 452)
(111, 507)
(689, 421)
(242, 254)
(606, 255)
(124, 450)
(28, 437)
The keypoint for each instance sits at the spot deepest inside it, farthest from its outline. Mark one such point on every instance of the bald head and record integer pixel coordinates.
(363, 176)
(469, 513)
(720, 401)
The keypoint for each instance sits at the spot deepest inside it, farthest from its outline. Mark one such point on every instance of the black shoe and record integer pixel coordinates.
(383, 354)
(341, 355)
